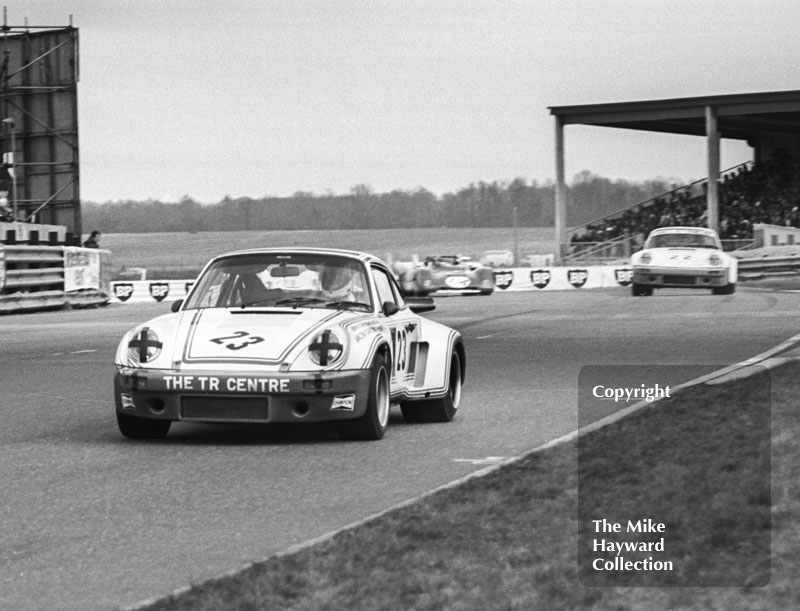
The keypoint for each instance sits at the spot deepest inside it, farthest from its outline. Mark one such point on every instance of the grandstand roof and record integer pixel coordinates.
(739, 116)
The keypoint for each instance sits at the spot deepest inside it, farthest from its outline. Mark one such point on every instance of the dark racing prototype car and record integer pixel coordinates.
(448, 273)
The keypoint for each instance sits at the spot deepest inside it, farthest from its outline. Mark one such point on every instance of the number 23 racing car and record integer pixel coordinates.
(683, 257)
(299, 335)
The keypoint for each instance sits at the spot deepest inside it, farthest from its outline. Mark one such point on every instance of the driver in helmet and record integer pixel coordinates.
(337, 282)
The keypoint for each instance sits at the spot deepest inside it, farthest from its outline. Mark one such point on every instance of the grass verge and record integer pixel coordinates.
(509, 540)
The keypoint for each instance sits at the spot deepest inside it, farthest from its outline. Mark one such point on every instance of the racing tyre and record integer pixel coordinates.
(728, 289)
(142, 428)
(438, 410)
(372, 425)
(640, 290)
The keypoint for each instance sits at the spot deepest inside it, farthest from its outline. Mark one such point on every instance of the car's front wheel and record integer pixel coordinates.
(142, 428)
(438, 410)
(372, 425)
(728, 289)
(641, 290)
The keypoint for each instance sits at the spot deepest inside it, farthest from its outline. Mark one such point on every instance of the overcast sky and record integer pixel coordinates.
(269, 97)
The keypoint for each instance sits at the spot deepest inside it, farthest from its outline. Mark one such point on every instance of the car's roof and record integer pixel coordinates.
(296, 250)
(695, 230)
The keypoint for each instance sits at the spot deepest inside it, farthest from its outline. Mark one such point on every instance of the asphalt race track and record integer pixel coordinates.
(93, 521)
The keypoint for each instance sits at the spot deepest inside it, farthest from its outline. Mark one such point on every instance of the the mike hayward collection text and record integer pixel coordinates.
(618, 561)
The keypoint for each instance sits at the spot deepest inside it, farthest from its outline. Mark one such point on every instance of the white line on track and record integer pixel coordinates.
(489, 460)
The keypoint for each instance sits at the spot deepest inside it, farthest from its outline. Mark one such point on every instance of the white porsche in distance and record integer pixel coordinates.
(683, 257)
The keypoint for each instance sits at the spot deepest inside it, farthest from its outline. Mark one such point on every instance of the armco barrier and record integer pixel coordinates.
(769, 265)
(36, 277)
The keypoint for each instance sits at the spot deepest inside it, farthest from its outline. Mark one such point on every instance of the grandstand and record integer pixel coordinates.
(763, 191)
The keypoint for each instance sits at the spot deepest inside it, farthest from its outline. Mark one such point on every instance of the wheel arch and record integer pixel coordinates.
(386, 351)
(459, 349)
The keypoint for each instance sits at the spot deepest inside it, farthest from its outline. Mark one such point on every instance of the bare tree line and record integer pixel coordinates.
(495, 204)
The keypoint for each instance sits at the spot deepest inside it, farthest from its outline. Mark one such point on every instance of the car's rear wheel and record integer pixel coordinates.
(641, 290)
(438, 410)
(372, 425)
(142, 428)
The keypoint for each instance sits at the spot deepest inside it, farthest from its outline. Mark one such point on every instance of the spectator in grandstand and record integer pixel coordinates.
(93, 240)
(6, 213)
(765, 192)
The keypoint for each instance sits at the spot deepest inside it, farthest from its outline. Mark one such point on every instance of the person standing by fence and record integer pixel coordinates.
(93, 240)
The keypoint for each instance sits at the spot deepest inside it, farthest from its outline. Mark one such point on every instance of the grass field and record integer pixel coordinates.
(168, 255)
(510, 540)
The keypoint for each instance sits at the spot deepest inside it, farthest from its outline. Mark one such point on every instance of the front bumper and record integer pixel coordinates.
(241, 396)
(680, 277)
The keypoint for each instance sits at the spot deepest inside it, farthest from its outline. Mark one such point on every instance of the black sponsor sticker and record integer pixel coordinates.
(540, 278)
(503, 279)
(577, 277)
(624, 276)
(159, 290)
(123, 290)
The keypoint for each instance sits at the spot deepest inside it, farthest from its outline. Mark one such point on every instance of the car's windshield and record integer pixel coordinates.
(281, 280)
(681, 240)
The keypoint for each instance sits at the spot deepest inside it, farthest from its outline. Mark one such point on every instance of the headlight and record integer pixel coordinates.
(144, 346)
(715, 259)
(645, 258)
(326, 348)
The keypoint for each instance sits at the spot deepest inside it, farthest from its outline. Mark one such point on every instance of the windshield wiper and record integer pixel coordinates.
(298, 301)
(346, 305)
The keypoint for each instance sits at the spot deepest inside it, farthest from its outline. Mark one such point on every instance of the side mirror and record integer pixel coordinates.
(419, 305)
(176, 305)
(389, 308)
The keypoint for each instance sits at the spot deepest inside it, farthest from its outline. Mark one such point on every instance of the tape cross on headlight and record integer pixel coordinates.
(145, 346)
(326, 348)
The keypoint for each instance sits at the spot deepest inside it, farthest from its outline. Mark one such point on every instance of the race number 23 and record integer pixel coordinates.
(237, 341)
(400, 348)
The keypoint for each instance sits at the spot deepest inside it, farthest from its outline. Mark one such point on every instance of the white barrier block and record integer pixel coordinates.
(575, 277)
(149, 290)
(506, 279)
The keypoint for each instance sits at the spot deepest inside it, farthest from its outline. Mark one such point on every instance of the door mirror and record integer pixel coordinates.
(390, 308)
(176, 305)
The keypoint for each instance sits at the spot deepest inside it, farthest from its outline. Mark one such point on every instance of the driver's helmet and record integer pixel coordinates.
(336, 278)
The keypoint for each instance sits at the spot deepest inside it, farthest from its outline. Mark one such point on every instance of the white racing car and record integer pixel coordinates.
(683, 257)
(298, 335)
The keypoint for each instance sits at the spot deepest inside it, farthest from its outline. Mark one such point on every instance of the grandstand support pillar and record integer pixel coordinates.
(561, 192)
(712, 193)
